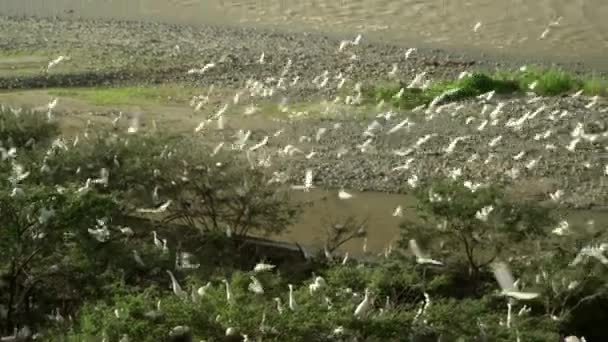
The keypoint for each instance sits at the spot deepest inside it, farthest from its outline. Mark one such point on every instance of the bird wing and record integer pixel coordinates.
(503, 276)
(521, 295)
(415, 249)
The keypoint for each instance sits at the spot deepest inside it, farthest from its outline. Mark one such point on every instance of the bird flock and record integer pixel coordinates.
(490, 123)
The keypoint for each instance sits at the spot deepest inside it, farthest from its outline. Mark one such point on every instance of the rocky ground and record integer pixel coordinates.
(112, 52)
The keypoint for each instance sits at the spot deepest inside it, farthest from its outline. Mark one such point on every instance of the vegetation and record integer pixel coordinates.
(548, 82)
(128, 95)
(78, 260)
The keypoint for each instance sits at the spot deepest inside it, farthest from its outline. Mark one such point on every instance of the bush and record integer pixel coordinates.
(25, 128)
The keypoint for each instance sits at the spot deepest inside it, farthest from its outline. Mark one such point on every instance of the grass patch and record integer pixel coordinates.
(474, 85)
(131, 95)
(549, 82)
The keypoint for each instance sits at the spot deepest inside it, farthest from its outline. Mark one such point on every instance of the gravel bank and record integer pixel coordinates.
(114, 52)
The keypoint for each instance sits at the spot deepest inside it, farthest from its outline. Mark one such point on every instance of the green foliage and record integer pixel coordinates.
(454, 214)
(45, 247)
(25, 128)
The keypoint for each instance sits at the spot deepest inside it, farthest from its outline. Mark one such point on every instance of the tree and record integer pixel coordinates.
(43, 235)
(479, 225)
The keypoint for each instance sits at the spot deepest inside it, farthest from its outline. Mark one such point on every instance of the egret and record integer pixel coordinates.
(279, 305)
(318, 283)
(292, 302)
(255, 286)
(364, 307)
(138, 259)
(345, 259)
(261, 267)
(177, 290)
(398, 212)
(507, 284)
(162, 208)
(343, 195)
(157, 241)
(421, 257)
(228, 291)
(201, 291)
(409, 52)
(56, 61)
(476, 27)
(307, 182)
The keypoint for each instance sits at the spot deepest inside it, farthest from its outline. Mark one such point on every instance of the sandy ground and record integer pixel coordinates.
(515, 28)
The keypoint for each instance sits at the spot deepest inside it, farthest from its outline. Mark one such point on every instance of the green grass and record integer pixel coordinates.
(131, 95)
(549, 82)
(468, 87)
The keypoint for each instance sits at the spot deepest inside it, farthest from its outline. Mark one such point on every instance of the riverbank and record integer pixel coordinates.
(536, 159)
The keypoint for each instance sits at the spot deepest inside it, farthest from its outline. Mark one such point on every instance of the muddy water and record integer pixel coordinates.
(510, 28)
(383, 228)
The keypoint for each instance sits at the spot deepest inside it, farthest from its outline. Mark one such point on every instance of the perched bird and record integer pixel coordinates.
(364, 307)
(177, 289)
(255, 286)
(318, 283)
(292, 302)
(261, 267)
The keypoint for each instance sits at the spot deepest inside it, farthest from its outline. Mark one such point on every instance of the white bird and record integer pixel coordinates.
(421, 257)
(556, 195)
(307, 182)
(138, 259)
(279, 305)
(409, 52)
(262, 267)
(476, 27)
(228, 291)
(507, 284)
(160, 209)
(320, 133)
(261, 60)
(545, 33)
(260, 144)
(399, 126)
(177, 290)
(562, 228)
(364, 307)
(393, 71)
(255, 286)
(318, 283)
(156, 240)
(572, 145)
(52, 104)
(417, 80)
(56, 61)
(343, 195)
(483, 213)
(495, 141)
(201, 70)
(596, 252)
(292, 302)
(398, 211)
(201, 291)
(345, 259)
(519, 155)
(450, 148)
